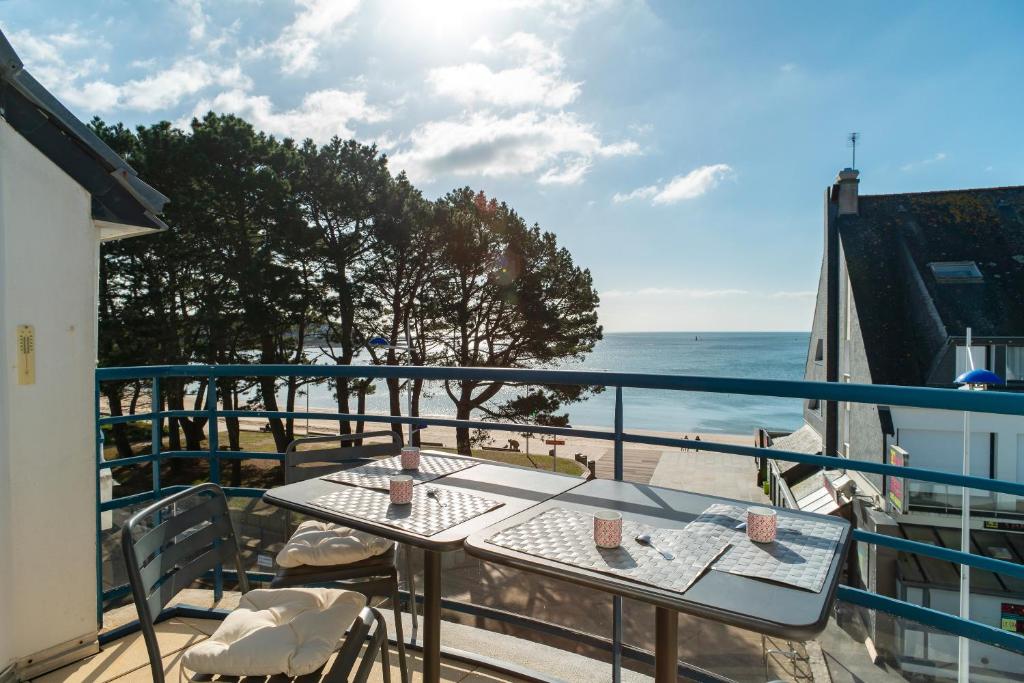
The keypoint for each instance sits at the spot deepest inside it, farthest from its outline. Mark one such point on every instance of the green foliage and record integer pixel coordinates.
(275, 247)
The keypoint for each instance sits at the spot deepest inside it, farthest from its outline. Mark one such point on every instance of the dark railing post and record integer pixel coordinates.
(214, 457)
(617, 599)
(99, 513)
(156, 433)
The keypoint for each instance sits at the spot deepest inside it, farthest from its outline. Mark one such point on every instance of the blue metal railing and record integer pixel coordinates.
(1004, 403)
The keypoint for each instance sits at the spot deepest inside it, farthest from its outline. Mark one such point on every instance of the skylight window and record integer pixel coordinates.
(955, 271)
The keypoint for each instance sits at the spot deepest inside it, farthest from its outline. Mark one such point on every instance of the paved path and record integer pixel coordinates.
(716, 474)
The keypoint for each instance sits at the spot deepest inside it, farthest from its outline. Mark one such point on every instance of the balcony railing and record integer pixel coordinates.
(1004, 403)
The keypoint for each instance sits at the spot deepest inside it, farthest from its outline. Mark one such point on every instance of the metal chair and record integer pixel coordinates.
(375, 576)
(165, 551)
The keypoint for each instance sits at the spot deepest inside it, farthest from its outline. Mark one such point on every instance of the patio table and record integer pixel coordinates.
(770, 608)
(516, 488)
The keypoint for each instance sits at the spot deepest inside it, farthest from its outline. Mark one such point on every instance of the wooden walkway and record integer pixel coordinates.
(638, 464)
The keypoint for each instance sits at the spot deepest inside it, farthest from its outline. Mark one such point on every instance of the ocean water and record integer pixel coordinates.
(755, 355)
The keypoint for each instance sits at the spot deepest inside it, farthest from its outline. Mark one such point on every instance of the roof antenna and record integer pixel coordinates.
(851, 140)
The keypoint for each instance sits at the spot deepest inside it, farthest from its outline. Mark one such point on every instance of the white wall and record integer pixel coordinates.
(934, 439)
(48, 275)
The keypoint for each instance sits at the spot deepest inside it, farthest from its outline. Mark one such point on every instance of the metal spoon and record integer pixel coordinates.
(436, 495)
(645, 539)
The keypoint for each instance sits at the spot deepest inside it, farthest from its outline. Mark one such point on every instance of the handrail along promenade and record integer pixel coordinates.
(996, 402)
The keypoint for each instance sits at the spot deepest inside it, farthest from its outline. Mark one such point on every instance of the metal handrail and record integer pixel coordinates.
(997, 402)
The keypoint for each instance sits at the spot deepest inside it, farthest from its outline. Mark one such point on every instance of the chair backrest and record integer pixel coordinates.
(306, 464)
(166, 550)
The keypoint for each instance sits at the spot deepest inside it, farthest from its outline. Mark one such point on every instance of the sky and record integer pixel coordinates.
(679, 150)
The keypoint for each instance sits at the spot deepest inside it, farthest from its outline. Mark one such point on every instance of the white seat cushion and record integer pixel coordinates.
(290, 631)
(320, 544)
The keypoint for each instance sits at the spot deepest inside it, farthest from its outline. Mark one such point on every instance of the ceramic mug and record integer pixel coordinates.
(401, 489)
(607, 529)
(761, 524)
(410, 458)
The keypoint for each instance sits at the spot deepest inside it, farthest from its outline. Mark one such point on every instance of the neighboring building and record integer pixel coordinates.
(62, 191)
(902, 277)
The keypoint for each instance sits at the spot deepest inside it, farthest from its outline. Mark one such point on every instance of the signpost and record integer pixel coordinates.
(897, 485)
(554, 443)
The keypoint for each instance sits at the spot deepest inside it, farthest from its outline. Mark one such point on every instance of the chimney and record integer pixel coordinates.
(846, 186)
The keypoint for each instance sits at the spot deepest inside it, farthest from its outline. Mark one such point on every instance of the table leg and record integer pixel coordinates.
(431, 616)
(666, 645)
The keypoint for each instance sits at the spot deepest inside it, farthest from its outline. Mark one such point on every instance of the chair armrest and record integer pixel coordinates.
(349, 652)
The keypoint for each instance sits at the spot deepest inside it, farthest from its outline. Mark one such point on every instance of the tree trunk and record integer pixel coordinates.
(136, 390)
(361, 409)
(341, 389)
(194, 427)
(120, 434)
(226, 390)
(417, 389)
(462, 412)
(267, 387)
(394, 402)
(289, 423)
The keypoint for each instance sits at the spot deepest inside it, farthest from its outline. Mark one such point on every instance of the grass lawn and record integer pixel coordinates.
(267, 473)
(540, 462)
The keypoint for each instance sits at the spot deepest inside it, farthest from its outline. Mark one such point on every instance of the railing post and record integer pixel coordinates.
(618, 433)
(156, 433)
(964, 644)
(99, 515)
(617, 600)
(214, 457)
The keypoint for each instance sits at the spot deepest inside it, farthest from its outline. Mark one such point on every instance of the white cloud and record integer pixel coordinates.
(73, 80)
(535, 78)
(321, 115)
(168, 87)
(62, 63)
(196, 17)
(682, 187)
(473, 82)
(558, 146)
(936, 158)
(315, 21)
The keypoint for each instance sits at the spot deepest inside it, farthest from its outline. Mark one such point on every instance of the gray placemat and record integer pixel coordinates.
(375, 475)
(425, 516)
(800, 556)
(567, 536)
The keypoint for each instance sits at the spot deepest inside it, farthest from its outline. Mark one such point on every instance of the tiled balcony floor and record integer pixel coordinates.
(125, 661)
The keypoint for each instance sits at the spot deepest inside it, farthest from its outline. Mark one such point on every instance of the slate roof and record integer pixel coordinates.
(906, 315)
(118, 194)
(803, 440)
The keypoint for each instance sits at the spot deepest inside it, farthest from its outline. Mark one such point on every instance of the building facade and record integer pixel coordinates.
(62, 191)
(902, 278)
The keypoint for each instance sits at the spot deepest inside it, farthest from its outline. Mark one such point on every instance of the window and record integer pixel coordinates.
(819, 351)
(978, 355)
(1015, 363)
(955, 271)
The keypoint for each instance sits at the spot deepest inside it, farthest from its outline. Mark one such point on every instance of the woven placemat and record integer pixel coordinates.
(800, 556)
(567, 536)
(375, 475)
(425, 516)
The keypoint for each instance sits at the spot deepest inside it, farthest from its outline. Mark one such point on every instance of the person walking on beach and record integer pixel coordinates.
(686, 437)
(697, 438)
